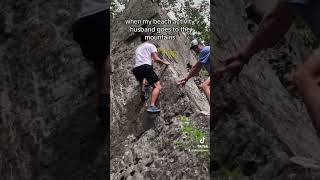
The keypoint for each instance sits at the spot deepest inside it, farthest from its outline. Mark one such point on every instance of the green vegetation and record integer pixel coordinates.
(231, 175)
(204, 73)
(113, 8)
(181, 145)
(117, 6)
(193, 135)
(198, 13)
(309, 38)
(193, 132)
(192, 141)
(168, 52)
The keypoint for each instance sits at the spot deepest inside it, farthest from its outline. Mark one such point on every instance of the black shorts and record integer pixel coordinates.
(145, 71)
(92, 34)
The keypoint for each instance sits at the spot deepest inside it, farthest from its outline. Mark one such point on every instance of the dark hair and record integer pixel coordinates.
(143, 38)
(144, 35)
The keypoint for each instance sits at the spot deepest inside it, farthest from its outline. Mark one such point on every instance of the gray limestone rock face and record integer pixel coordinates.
(143, 145)
(48, 128)
(260, 119)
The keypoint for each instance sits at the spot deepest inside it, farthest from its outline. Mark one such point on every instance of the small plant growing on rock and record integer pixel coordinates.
(231, 175)
(309, 38)
(193, 136)
(168, 52)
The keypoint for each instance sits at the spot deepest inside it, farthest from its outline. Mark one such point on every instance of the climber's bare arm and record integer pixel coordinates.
(156, 58)
(194, 71)
(272, 28)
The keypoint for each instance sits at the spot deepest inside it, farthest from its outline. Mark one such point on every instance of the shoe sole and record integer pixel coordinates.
(153, 111)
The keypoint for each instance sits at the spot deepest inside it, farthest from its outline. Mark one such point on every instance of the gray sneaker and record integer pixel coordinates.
(153, 109)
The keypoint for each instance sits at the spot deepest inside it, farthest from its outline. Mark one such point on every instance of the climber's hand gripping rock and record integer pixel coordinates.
(182, 82)
(233, 65)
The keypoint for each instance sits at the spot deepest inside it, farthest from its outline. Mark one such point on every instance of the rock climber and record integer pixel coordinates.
(272, 28)
(91, 31)
(145, 54)
(203, 61)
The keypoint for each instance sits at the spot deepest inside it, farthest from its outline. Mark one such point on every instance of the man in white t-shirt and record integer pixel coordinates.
(145, 54)
(91, 31)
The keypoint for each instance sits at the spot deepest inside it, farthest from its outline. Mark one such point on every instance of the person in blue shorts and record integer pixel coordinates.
(203, 62)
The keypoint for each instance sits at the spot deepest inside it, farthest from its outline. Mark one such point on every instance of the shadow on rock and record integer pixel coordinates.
(79, 143)
(147, 122)
(140, 119)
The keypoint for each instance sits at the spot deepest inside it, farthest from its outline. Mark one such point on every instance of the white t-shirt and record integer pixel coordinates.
(90, 7)
(143, 54)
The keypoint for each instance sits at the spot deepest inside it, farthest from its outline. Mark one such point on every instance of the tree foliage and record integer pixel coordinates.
(115, 7)
(194, 10)
(198, 13)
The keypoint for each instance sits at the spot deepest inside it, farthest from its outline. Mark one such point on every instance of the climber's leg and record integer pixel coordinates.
(307, 78)
(145, 75)
(101, 73)
(143, 85)
(91, 33)
(152, 79)
(143, 90)
(206, 88)
(102, 86)
(155, 93)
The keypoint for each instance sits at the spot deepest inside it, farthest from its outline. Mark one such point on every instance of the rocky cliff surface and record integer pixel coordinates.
(48, 128)
(144, 146)
(261, 122)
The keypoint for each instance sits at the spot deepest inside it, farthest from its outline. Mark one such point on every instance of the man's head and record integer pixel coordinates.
(144, 36)
(196, 45)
